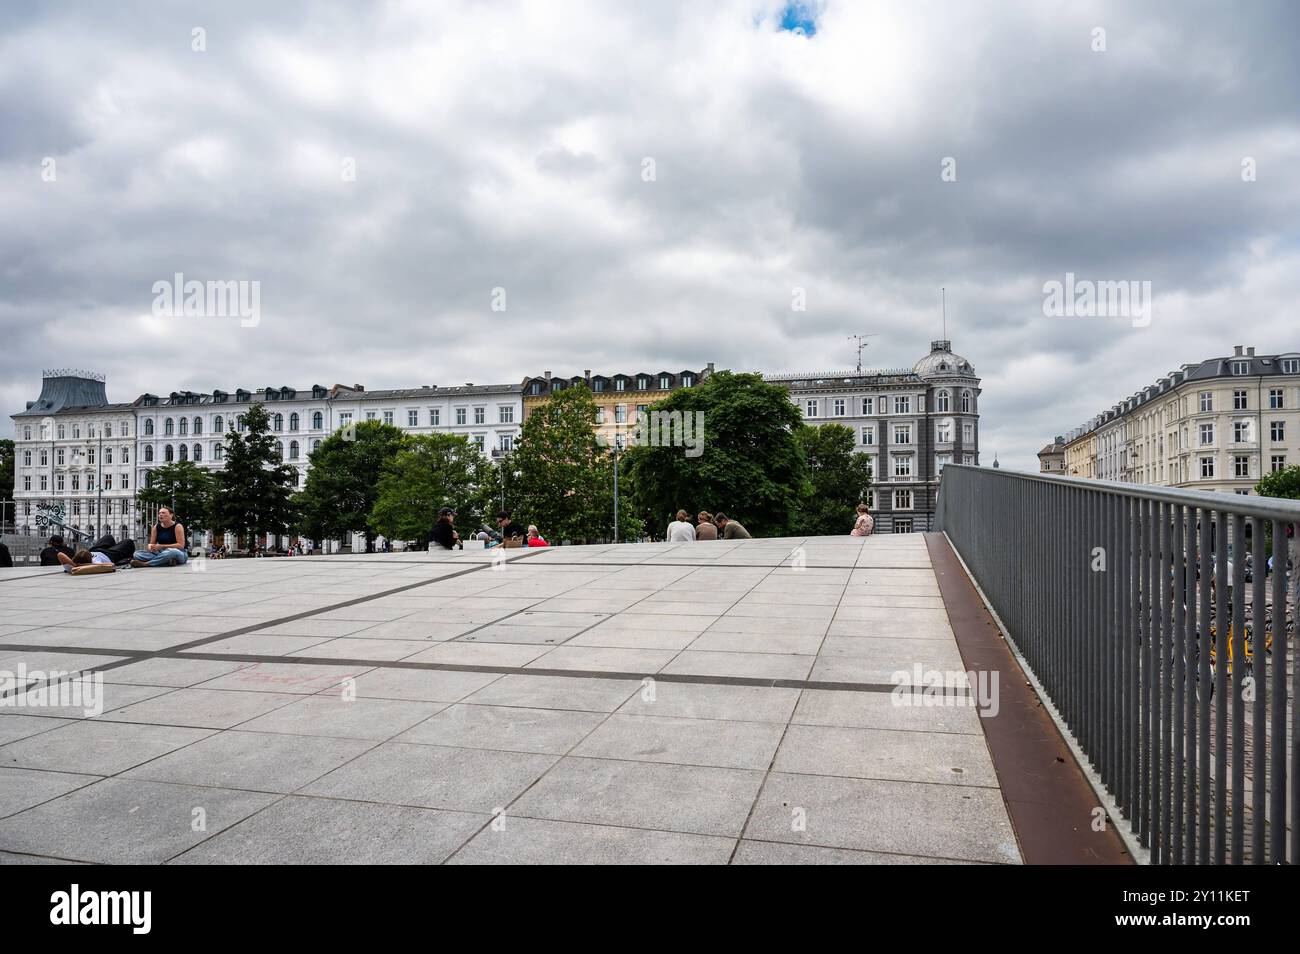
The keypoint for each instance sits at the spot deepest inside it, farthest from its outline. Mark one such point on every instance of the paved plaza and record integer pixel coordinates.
(707, 702)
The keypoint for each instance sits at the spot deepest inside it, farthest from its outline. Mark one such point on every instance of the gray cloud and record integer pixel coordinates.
(503, 145)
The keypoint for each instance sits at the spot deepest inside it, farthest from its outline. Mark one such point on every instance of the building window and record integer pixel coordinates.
(76, 483)
(902, 404)
(345, 419)
(76, 432)
(388, 417)
(1207, 467)
(1239, 400)
(27, 432)
(317, 421)
(968, 433)
(902, 433)
(293, 450)
(125, 486)
(642, 382)
(434, 416)
(967, 402)
(185, 426)
(27, 483)
(1241, 466)
(620, 414)
(480, 415)
(412, 418)
(27, 458)
(810, 409)
(44, 483)
(600, 414)
(58, 457)
(620, 384)
(1291, 365)
(370, 415)
(1207, 434)
(665, 382)
(868, 405)
(1276, 399)
(942, 402)
(169, 454)
(1241, 432)
(506, 442)
(940, 461)
(841, 406)
(478, 442)
(902, 466)
(217, 424)
(1278, 462)
(943, 432)
(1207, 401)
(869, 434)
(461, 416)
(505, 413)
(1277, 431)
(1241, 367)
(168, 428)
(902, 500)
(315, 445)
(688, 380)
(148, 454)
(598, 384)
(277, 422)
(218, 452)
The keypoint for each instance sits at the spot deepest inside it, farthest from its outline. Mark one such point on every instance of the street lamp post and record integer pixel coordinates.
(618, 443)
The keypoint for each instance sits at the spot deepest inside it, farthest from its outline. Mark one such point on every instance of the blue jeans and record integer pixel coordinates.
(171, 557)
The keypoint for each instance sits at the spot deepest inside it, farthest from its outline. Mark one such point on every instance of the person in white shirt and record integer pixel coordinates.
(681, 530)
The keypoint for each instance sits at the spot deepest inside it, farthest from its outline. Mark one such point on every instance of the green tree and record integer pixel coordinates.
(427, 472)
(838, 480)
(189, 490)
(561, 478)
(6, 470)
(1280, 483)
(342, 485)
(254, 486)
(750, 466)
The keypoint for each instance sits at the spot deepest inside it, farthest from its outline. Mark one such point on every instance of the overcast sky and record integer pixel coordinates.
(505, 145)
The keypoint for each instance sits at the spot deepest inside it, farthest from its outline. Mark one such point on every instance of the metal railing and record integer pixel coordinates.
(1152, 620)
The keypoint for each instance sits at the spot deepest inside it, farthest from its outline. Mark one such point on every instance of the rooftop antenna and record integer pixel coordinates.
(943, 303)
(862, 343)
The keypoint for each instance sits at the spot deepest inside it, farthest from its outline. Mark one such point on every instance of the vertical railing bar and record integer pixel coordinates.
(1240, 670)
(1277, 724)
(1205, 684)
(1259, 683)
(1177, 643)
(1222, 625)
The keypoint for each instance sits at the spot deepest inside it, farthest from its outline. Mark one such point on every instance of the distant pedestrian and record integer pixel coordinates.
(535, 539)
(863, 526)
(731, 529)
(704, 528)
(512, 534)
(681, 530)
(444, 535)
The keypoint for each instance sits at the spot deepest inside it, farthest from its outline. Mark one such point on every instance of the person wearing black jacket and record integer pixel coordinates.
(6, 559)
(444, 535)
(509, 529)
(50, 555)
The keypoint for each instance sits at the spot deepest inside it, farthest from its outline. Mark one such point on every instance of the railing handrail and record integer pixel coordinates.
(1252, 505)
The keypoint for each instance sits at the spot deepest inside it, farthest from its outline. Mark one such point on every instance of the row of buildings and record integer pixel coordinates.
(80, 453)
(1218, 424)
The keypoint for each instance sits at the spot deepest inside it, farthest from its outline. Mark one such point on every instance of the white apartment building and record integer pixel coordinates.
(1219, 424)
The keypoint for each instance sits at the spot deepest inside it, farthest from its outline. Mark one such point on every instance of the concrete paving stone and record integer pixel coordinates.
(47, 663)
(469, 653)
(769, 625)
(125, 821)
(624, 638)
(909, 818)
(97, 748)
(878, 630)
(807, 613)
(668, 608)
(875, 672)
(604, 659)
(82, 697)
(422, 685)
(893, 616)
(508, 728)
(725, 642)
(797, 599)
(254, 761)
(704, 801)
(15, 726)
(201, 708)
(905, 653)
(199, 625)
(692, 594)
(69, 636)
(149, 640)
(349, 647)
(298, 678)
(10, 858)
(258, 644)
(315, 626)
(557, 692)
(173, 672)
(535, 841)
(652, 738)
(408, 628)
(322, 831)
(577, 620)
(520, 635)
(695, 700)
(773, 853)
(370, 612)
(938, 757)
(655, 623)
(430, 776)
(750, 665)
(883, 710)
(20, 789)
(333, 716)
(876, 600)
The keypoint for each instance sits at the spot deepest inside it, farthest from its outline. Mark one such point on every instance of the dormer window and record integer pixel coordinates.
(688, 380)
(1290, 365)
(665, 382)
(642, 383)
(1241, 367)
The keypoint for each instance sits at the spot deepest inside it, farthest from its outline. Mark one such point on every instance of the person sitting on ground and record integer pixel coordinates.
(166, 543)
(704, 529)
(681, 530)
(119, 553)
(512, 534)
(444, 535)
(50, 555)
(731, 529)
(535, 539)
(83, 563)
(864, 524)
(6, 558)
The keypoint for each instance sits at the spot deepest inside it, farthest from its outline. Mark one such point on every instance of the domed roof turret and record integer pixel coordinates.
(941, 361)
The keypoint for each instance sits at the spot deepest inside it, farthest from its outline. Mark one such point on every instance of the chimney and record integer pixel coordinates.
(547, 375)
(587, 373)
(358, 387)
(1236, 351)
(710, 367)
(1250, 352)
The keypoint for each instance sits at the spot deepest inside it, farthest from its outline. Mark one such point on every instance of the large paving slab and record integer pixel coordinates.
(714, 702)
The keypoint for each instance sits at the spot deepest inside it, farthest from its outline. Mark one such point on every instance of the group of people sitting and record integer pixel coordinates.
(508, 533)
(708, 526)
(167, 547)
